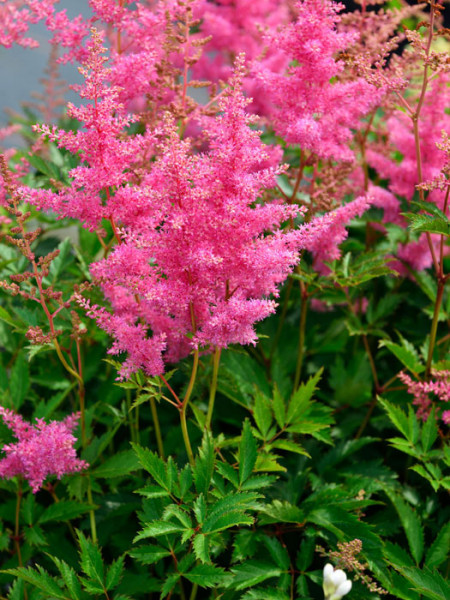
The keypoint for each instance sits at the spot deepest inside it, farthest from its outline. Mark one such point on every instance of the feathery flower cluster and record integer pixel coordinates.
(439, 386)
(324, 233)
(198, 251)
(17, 15)
(42, 449)
(310, 106)
(107, 154)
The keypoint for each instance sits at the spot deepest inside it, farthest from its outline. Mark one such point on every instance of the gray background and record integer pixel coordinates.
(21, 68)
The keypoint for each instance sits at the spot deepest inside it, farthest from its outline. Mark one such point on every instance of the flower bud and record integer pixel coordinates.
(335, 583)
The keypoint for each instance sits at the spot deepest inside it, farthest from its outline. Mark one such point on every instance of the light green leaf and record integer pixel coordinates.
(301, 399)
(253, 572)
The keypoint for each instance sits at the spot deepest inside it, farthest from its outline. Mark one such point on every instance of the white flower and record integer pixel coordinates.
(335, 583)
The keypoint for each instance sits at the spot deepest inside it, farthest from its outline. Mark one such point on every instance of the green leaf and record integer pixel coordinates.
(91, 559)
(64, 510)
(439, 550)
(411, 524)
(114, 573)
(290, 446)
(69, 576)
(200, 545)
(426, 223)
(262, 414)
(153, 464)
(19, 382)
(44, 166)
(431, 584)
(283, 512)
(230, 511)
(396, 415)
(204, 465)
(429, 432)
(157, 529)
(207, 576)
(247, 452)
(405, 354)
(253, 572)
(150, 554)
(301, 399)
(40, 579)
(119, 465)
(278, 553)
(169, 584)
(279, 408)
(5, 316)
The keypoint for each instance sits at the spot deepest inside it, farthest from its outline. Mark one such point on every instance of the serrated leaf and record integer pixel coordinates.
(262, 414)
(247, 452)
(228, 472)
(69, 577)
(283, 512)
(290, 446)
(396, 415)
(204, 465)
(411, 524)
(278, 553)
(279, 408)
(153, 464)
(169, 584)
(200, 545)
(229, 512)
(431, 584)
(429, 432)
(439, 550)
(91, 561)
(64, 510)
(114, 573)
(119, 465)
(148, 555)
(158, 528)
(253, 572)
(207, 576)
(40, 579)
(301, 399)
(405, 355)
(426, 223)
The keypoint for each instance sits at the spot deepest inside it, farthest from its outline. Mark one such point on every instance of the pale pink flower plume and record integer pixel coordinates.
(439, 386)
(42, 449)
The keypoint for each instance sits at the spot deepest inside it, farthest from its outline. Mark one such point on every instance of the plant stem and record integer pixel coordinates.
(184, 406)
(301, 341)
(194, 592)
(434, 324)
(213, 389)
(159, 440)
(91, 512)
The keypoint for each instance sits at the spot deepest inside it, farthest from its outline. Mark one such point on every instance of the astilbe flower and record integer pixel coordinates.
(308, 108)
(402, 174)
(439, 386)
(240, 26)
(200, 256)
(16, 16)
(42, 449)
(106, 152)
(324, 233)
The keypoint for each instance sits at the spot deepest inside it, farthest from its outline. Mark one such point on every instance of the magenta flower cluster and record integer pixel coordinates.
(42, 449)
